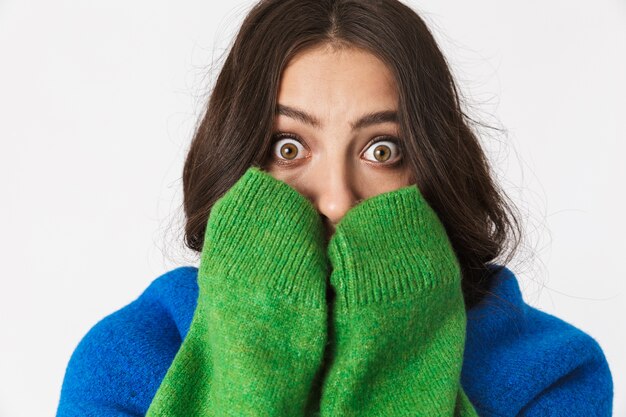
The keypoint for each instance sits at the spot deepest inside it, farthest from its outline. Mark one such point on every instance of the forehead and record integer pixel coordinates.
(348, 78)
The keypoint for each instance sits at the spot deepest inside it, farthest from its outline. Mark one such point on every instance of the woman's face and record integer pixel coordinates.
(331, 148)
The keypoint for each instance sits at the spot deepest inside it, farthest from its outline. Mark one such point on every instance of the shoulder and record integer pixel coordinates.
(520, 360)
(176, 292)
(120, 362)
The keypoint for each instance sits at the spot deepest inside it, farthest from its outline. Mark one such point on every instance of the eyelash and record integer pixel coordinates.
(282, 135)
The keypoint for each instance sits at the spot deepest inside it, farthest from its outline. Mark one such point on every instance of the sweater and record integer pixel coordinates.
(394, 340)
(256, 343)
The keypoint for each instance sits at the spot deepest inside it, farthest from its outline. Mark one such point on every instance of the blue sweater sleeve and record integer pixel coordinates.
(118, 365)
(521, 361)
(585, 388)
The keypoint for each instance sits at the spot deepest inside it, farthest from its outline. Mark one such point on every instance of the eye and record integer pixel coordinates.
(287, 148)
(384, 150)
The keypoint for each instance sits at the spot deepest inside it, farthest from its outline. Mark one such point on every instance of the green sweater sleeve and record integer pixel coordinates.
(257, 337)
(398, 320)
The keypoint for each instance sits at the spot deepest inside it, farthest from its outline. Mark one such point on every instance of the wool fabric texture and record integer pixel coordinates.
(253, 331)
(259, 331)
(398, 328)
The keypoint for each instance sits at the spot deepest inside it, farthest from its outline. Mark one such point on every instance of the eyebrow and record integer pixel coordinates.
(366, 120)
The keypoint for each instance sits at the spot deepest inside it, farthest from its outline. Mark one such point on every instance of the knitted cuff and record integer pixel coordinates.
(388, 247)
(263, 233)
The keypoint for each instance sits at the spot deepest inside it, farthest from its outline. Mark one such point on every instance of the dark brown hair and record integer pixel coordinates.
(444, 153)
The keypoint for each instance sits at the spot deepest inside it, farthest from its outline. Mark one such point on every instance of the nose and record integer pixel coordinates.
(334, 195)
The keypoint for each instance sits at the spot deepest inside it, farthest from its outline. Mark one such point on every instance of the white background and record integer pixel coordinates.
(97, 104)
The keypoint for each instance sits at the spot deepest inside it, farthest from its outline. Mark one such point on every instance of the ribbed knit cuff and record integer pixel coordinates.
(390, 246)
(263, 233)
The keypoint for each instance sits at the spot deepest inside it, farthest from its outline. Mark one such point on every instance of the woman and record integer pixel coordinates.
(348, 226)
